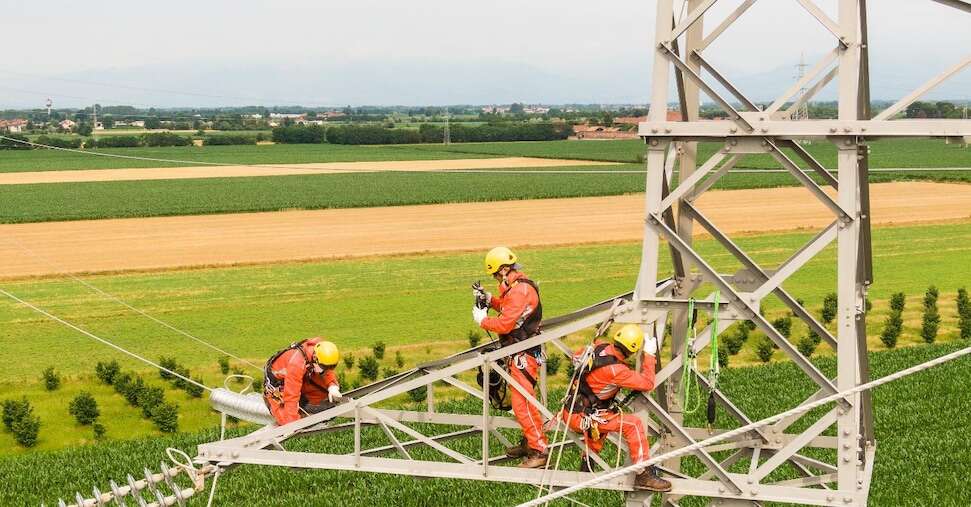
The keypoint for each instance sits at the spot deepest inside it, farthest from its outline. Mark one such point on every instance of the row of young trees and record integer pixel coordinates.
(426, 133)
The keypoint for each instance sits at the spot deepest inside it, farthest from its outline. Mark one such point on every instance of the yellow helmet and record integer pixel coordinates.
(327, 354)
(631, 337)
(498, 257)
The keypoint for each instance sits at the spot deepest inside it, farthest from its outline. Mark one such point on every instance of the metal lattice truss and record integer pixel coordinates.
(671, 216)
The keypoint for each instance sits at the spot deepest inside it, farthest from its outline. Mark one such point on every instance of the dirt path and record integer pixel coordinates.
(153, 243)
(175, 173)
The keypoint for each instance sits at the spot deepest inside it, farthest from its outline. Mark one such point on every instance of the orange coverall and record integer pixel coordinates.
(514, 303)
(301, 384)
(606, 382)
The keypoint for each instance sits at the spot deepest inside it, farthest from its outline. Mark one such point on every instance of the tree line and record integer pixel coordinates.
(426, 133)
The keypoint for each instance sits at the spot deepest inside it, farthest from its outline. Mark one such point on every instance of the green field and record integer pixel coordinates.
(124, 199)
(922, 456)
(56, 160)
(908, 153)
(899, 153)
(129, 199)
(416, 304)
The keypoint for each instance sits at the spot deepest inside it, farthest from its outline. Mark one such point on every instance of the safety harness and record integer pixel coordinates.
(273, 386)
(587, 402)
(530, 323)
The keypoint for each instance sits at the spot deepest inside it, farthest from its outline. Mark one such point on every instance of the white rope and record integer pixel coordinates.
(212, 492)
(139, 311)
(638, 467)
(98, 338)
(577, 372)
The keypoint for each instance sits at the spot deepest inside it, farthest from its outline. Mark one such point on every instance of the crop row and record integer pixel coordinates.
(923, 452)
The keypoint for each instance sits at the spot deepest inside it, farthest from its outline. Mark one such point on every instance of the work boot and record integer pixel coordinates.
(519, 451)
(585, 465)
(535, 459)
(648, 480)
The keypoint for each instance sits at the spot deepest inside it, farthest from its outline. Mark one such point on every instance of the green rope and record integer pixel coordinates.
(690, 404)
(714, 367)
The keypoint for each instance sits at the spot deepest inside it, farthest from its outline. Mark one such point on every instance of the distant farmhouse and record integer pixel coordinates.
(14, 126)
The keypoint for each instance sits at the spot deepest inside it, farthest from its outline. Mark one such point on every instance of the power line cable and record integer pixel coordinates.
(112, 297)
(91, 335)
(639, 467)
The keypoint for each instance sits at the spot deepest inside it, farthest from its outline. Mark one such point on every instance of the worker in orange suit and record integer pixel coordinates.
(590, 409)
(301, 375)
(519, 316)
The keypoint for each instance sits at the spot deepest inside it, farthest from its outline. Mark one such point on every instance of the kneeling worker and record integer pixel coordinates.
(300, 375)
(520, 315)
(590, 408)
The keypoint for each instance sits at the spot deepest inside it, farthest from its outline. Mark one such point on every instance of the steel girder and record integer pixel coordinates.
(844, 477)
(738, 471)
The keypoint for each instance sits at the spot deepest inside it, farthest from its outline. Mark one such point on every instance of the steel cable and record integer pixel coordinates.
(139, 311)
(100, 339)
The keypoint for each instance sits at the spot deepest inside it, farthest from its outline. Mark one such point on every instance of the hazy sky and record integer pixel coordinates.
(319, 52)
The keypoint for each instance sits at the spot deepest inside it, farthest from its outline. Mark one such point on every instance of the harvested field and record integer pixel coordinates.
(230, 171)
(157, 243)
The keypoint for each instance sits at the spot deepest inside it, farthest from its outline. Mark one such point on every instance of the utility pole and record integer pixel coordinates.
(94, 113)
(802, 113)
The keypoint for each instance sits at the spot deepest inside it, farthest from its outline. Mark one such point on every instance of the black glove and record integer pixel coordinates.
(482, 298)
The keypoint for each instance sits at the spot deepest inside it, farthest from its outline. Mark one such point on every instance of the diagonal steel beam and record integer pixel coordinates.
(463, 387)
(798, 260)
(811, 161)
(691, 19)
(457, 456)
(710, 182)
(688, 184)
(701, 454)
(415, 443)
(807, 182)
(705, 64)
(823, 19)
(923, 89)
(733, 114)
(957, 4)
(795, 445)
(735, 299)
(825, 62)
(751, 265)
(812, 91)
(394, 440)
(737, 13)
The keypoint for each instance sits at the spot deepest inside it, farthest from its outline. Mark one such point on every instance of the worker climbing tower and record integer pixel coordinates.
(829, 460)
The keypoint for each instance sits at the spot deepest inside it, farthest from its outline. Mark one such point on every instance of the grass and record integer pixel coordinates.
(922, 455)
(901, 153)
(56, 160)
(416, 304)
(128, 199)
(898, 153)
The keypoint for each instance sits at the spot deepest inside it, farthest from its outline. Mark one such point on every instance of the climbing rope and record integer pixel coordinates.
(714, 366)
(690, 390)
(560, 423)
(802, 409)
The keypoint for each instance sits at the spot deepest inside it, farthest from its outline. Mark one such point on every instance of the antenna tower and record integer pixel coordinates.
(801, 112)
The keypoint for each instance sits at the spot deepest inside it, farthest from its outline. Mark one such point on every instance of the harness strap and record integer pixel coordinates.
(590, 402)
